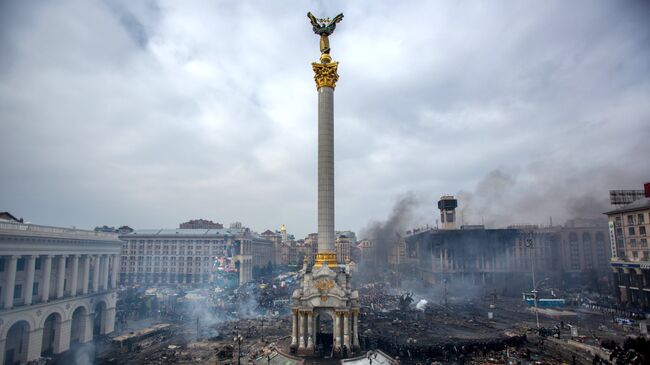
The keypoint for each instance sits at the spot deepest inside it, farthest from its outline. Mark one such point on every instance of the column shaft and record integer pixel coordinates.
(346, 330)
(29, 281)
(116, 270)
(85, 276)
(74, 275)
(96, 271)
(294, 328)
(301, 330)
(310, 331)
(105, 267)
(11, 282)
(355, 330)
(337, 331)
(60, 277)
(47, 272)
(325, 169)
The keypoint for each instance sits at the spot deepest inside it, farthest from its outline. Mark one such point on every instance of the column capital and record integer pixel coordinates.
(325, 74)
(15, 257)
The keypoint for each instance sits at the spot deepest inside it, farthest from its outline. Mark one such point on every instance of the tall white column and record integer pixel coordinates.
(116, 270)
(337, 331)
(346, 330)
(29, 280)
(301, 330)
(294, 328)
(96, 271)
(355, 329)
(47, 272)
(325, 169)
(105, 267)
(310, 331)
(10, 282)
(85, 275)
(60, 276)
(75, 274)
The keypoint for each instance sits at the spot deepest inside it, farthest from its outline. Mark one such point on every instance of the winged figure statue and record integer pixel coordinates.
(324, 28)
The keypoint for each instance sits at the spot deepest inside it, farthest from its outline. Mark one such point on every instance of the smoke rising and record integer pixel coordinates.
(533, 194)
(385, 235)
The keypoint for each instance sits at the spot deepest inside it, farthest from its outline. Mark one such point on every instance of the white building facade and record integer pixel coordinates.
(189, 256)
(57, 288)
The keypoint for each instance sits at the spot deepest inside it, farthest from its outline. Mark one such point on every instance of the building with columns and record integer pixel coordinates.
(189, 256)
(57, 288)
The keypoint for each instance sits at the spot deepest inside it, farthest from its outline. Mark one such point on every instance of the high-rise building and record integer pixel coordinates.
(345, 240)
(629, 226)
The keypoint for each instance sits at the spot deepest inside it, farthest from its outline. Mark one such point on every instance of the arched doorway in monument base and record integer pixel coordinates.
(51, 330)
(17, 343)
(324, 329)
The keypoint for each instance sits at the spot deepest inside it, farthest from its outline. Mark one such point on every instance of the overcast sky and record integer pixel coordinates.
(149, 113)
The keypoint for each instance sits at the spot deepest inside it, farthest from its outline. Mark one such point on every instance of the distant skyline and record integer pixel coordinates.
(152, 113)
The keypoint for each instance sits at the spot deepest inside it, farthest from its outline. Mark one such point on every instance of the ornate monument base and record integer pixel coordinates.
(325, 295)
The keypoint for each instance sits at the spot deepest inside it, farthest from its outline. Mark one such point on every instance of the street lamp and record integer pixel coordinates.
(238, 338)
(530, 244)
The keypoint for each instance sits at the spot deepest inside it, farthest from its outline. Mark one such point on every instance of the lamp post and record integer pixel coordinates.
(530, 244)
(238, 339)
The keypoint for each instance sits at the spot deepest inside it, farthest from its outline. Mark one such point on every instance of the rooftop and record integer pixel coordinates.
(24, 229)
(191, 232)
(640, 204)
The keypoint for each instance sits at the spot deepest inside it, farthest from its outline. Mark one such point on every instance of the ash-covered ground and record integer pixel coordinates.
(412, 328)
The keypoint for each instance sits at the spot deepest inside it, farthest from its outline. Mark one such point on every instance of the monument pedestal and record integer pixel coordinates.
(325, 293)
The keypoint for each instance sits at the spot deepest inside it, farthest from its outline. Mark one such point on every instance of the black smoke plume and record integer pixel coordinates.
(384, 236)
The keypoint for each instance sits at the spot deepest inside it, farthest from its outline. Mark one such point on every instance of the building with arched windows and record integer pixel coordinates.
(57, 288)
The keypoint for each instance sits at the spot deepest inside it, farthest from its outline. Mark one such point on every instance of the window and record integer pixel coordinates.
(20, 264)
(630, 231)
(2, 265)
(642, 231)
(644, 242)
(646, 255)
(635, 254)
(640, 218)
(18, 291)
(37, 263)
(35, 289)
(630, 219)
(633, 242)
